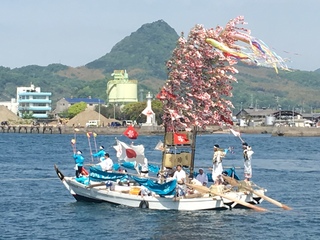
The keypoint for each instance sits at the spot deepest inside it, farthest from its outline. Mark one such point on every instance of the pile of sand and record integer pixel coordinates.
(82, 118)
(7, 115)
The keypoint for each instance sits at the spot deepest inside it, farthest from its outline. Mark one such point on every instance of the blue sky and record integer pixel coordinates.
(75, 32)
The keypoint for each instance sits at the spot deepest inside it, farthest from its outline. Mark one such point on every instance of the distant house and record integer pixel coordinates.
(64, 103)
(265, 116)
(253, 116)
(253, 113)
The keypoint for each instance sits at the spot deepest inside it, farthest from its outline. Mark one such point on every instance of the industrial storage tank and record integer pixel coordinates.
(270, 120)
(123, 92)
(121, 89)
(127, 92)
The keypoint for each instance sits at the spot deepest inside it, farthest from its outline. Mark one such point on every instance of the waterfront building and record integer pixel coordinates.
(31, 101)
(64, 103)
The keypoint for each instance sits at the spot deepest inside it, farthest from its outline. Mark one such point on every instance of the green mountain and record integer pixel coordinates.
(143, 54)
(147, 49)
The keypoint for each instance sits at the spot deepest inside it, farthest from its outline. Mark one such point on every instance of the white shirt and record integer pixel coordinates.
(106, 165)
(203, 178)
(144, 167)
(180, 176)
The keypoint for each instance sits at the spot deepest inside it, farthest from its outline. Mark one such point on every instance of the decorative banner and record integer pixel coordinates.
(131, 133)
(226, 120)
(180, 138)
(201, 72)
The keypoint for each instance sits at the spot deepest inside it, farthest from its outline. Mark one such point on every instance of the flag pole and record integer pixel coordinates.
(241, 139)
(95, 142)
(88, 135)
(237, 134)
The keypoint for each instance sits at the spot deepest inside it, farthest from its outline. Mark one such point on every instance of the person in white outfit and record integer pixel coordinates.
(144, 168)
(202, 177)
(106, 163)
(181, 176)
(217, 168)
(247, 156)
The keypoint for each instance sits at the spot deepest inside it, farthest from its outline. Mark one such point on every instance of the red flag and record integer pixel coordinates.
(131, 133)
(180, 138)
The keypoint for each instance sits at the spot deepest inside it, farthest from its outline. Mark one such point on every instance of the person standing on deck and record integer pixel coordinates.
(247, 156)
(144, 168)
(100, 154)
(217, 168)
(106, 163)
(79, 160)
(181, 176)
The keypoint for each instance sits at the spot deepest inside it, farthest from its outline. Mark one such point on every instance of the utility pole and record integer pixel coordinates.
(99, 112)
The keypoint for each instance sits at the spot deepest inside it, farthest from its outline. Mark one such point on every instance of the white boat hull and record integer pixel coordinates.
(121, 196)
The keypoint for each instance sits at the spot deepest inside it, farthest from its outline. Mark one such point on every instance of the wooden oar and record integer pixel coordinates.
(235, 182)
(204, 189)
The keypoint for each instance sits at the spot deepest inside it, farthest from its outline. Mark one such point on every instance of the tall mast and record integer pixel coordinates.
(193, 150)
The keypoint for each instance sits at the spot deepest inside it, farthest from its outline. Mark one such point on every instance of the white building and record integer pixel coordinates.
(32, 101)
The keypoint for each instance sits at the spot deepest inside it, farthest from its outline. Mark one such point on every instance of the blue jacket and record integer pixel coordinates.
(78, 159)
(101, 153)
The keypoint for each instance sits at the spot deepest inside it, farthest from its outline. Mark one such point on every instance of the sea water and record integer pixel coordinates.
(34, 204)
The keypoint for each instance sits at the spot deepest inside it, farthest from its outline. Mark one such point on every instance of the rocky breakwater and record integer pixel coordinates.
(282, 131)
(296, 131)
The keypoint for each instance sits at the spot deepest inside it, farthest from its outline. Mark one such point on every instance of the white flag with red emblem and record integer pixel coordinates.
(130, 153)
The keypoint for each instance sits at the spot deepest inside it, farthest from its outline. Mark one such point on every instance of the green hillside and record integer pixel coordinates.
(143, 54)
(146, 49)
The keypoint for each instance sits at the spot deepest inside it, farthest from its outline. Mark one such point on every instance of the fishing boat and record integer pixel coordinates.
(200, 74)
(128, 195)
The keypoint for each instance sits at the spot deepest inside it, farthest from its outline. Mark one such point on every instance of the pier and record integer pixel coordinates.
(31, 129)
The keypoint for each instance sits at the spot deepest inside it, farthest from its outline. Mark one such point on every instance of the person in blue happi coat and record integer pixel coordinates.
(100, 154)
(79, 160)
